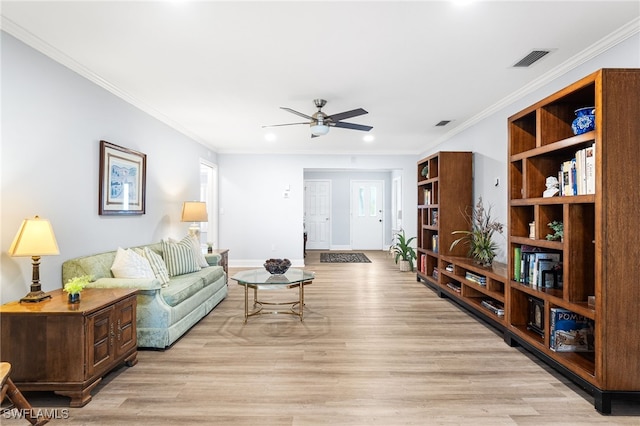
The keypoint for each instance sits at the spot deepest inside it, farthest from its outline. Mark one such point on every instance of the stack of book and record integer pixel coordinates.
(495, 307)
(479, 279)
(454, 286)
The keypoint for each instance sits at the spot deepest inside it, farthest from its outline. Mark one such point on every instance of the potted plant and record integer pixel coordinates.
(482, 248)
(558, 231)
(404, 253)
(74, 286)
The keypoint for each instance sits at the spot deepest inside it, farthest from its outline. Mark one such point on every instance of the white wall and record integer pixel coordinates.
(52, 122)
(341, 202)
(257, 223)
(488, 138)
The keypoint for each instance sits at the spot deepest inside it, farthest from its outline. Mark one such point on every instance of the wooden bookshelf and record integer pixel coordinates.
(599, 229)
(454, 272)
(443, 196)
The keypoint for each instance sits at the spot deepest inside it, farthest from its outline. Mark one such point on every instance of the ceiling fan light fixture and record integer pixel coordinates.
(319, 129)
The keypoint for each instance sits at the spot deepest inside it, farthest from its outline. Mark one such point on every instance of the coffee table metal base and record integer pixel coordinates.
(294, 307)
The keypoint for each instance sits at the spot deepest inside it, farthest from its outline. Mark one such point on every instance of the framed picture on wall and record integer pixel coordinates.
(122, 180)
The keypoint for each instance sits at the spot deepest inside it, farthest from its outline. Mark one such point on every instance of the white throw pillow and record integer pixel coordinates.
(197, 251)
(129, 264)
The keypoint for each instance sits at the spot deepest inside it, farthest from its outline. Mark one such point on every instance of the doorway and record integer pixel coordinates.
(317, 213)
(367, 219)
(209, 194)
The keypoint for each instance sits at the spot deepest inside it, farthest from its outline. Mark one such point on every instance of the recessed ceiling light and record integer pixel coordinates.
(368, 138)
(270, 137)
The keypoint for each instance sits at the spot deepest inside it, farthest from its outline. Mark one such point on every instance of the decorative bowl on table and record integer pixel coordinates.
(277, 266)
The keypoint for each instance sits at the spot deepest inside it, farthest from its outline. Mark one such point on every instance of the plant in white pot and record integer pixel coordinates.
(404, 253)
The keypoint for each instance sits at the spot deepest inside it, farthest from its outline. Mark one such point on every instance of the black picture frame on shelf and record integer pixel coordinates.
(122, 180)
(536, 316)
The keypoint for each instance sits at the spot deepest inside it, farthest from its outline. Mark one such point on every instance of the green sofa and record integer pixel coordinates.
(166, 312)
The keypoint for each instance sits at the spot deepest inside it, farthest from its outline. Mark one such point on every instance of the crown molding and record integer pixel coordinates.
(46, 49)
(602, 45)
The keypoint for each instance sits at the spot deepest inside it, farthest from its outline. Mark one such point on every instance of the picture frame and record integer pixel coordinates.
(122, 186)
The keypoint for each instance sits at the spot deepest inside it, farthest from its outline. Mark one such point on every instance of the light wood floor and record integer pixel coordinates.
(375, 348)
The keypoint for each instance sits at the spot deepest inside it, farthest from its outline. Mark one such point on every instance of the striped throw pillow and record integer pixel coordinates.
(157, 265)
(179, 258)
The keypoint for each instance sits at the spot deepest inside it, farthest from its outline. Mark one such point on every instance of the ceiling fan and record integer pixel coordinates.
(320, 122)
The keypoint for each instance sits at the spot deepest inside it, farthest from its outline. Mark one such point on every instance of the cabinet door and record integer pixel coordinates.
(100, 341)
(125, 326)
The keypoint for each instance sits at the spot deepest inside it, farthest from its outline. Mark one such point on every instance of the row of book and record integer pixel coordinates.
(422, 265)
(570, 332)
(427, 196)
(578, 175)
(536, 267)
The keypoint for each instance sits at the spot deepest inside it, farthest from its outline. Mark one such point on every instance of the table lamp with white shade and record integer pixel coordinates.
(35, 238)
(194, 212)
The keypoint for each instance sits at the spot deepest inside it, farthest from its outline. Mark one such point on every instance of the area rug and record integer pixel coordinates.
(344, 258)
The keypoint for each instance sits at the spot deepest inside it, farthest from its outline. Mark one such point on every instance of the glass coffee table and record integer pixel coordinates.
(260, 279)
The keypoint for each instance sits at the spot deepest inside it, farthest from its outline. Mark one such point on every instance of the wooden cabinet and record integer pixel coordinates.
(224, 260)
(599, 249)
(445, 190)
(67, 348)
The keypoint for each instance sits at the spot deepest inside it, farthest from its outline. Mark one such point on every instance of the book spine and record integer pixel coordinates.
(590, 165)
(517, 259)
(552, 328)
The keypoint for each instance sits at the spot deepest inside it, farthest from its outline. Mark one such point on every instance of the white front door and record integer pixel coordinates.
(367, 199)
(317, 213)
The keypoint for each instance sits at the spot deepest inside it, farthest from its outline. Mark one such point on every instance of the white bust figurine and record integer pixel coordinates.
(552, 187)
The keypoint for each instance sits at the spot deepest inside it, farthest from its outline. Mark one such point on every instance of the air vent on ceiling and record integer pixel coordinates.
(443, 123)
(531, 58)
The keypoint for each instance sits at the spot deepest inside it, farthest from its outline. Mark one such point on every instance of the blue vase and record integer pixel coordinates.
(585, 120)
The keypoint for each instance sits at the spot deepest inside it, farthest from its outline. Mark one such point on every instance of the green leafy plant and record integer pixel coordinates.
(558, 231)
(482, 248)
(77, 284)
(403, 250)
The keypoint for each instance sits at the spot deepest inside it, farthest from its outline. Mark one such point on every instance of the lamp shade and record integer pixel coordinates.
(319, 129)
(194, 211)
(34, 238)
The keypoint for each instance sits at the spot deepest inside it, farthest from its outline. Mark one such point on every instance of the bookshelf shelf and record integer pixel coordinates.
(599, 229)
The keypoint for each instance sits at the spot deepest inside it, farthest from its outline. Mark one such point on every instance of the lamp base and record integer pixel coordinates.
(194, 230)
(35, 296)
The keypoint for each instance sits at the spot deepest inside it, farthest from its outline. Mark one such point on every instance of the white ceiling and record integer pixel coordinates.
(218, 71)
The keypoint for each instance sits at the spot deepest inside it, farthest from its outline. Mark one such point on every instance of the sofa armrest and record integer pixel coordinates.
(139, 283)
(213, 259)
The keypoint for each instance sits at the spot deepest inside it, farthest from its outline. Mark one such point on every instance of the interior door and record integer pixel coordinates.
(317, 213)
(367, 199)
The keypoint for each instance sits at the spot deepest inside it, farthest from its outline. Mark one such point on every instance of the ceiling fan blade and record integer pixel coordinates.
(293, 111)
(288, 124)
(347, 114)
(352, 126)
